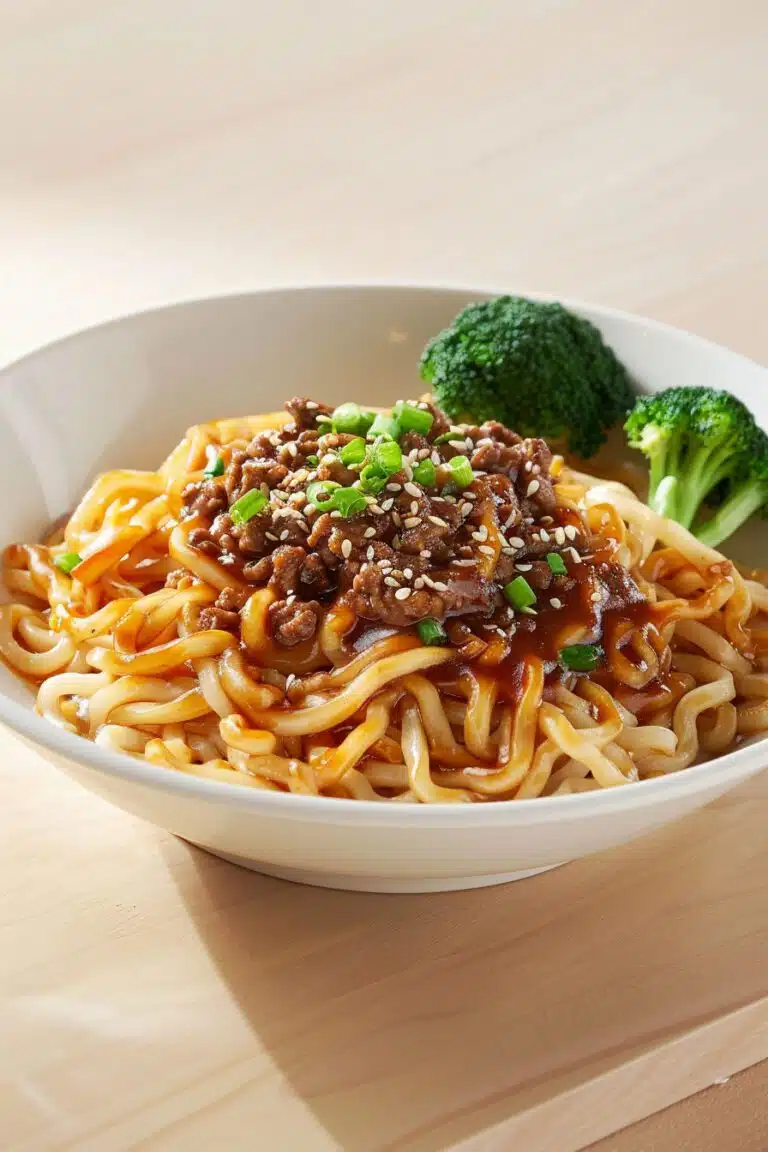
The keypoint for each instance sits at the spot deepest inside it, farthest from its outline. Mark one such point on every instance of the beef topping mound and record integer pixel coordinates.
(399, 523)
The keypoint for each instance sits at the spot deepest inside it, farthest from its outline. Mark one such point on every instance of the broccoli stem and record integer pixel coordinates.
(698, 478)
(745, 501)
(664, 499)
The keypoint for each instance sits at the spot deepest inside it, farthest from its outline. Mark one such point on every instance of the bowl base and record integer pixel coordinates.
(400, 884)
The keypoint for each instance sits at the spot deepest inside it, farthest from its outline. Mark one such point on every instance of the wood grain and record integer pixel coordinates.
(153, 997)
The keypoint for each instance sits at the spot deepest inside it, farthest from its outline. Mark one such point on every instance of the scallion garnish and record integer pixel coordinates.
(431, 631)
(67, 561)
(413, 419)
(520, 594)
(454, 434)
(386, 457)
(351, 418)
(581, 657)
(215, 465)
(313, 460)
(348, 501)
(385, 426)
(372, 480)
(461, 471)
(248, 506)
(353, 452)
(556, 564)
(425, 473)
(320, 493)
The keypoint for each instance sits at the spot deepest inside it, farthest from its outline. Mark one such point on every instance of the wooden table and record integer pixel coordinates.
(153, 997)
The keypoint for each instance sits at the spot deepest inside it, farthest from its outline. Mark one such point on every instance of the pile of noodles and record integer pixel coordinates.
(118, 657)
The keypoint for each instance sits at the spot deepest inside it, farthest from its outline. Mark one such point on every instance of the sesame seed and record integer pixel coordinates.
(370, 553)
(481, 534)
(449, 499)
(465, 508)
(556, 603)
(410, 521)
(530, 611)
(369, 532)
(570, 531)
(291, 448)
(402, 593)
(536, 469)
(396, 520)
(516, 542)
(335, 515)
(387, 505)
(375, 508)
(487, 550)
(596, 597)
(428, 581)
(289, 680)
(439, 586)
(425, 554)
(290, 599)
(414, 507)
(544, 535)
(436, 459)
(284, 535)
(346, 549)
(394, 487)
(463, 563)
(329, 458)
(528, 466)
(436, 520)
(560, 535)
(575, 555)
(411, 489)
(309, 404)
(547, 520)
(418, 582)
(269, 536)
(391, 582)
(523, 567)
(532, 488)
(323, 419)
(396, 542)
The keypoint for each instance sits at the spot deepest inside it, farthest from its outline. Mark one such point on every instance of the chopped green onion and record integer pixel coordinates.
(313, 460)
(556, 564)
(351, 418)
(385, 426)
(448, 436)
(425, 473)
(372, 480)
(348, 501)
(248, 506)
(413, 419)
(215, 465)
(461, 471)
(581, 657)
(68, 561)
(520, 594)
(386, 457)
(324, 503)
(431, 631)
(354, 452)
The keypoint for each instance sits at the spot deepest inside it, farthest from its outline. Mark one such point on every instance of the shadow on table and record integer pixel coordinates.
(416, 1021)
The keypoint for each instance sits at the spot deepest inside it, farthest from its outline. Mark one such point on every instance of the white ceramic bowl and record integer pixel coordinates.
(121, 395)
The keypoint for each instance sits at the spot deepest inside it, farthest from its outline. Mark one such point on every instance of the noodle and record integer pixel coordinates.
(142, 631)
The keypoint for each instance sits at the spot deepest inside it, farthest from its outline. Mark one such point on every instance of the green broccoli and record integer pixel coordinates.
(704, 449)
(536, 367)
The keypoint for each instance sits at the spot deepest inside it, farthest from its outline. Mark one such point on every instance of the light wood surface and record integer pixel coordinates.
(153, 997)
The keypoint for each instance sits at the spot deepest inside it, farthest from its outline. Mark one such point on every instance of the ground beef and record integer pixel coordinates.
(224, 613)
(415, 551)
(293, 621)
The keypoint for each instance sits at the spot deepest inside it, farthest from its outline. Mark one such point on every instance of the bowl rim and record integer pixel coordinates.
(42, 733)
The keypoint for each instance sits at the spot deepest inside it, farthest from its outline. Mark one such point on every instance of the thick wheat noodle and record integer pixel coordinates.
(120, 657)
(718, 687)
(416, 757)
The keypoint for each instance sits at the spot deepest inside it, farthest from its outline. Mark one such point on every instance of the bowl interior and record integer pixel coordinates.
(123, 394)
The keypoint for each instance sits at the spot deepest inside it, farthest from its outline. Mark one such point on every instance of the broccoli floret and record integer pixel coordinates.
(536, 367)
(703, 448)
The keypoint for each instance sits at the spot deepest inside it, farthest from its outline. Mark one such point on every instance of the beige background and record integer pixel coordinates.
(167, 148)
